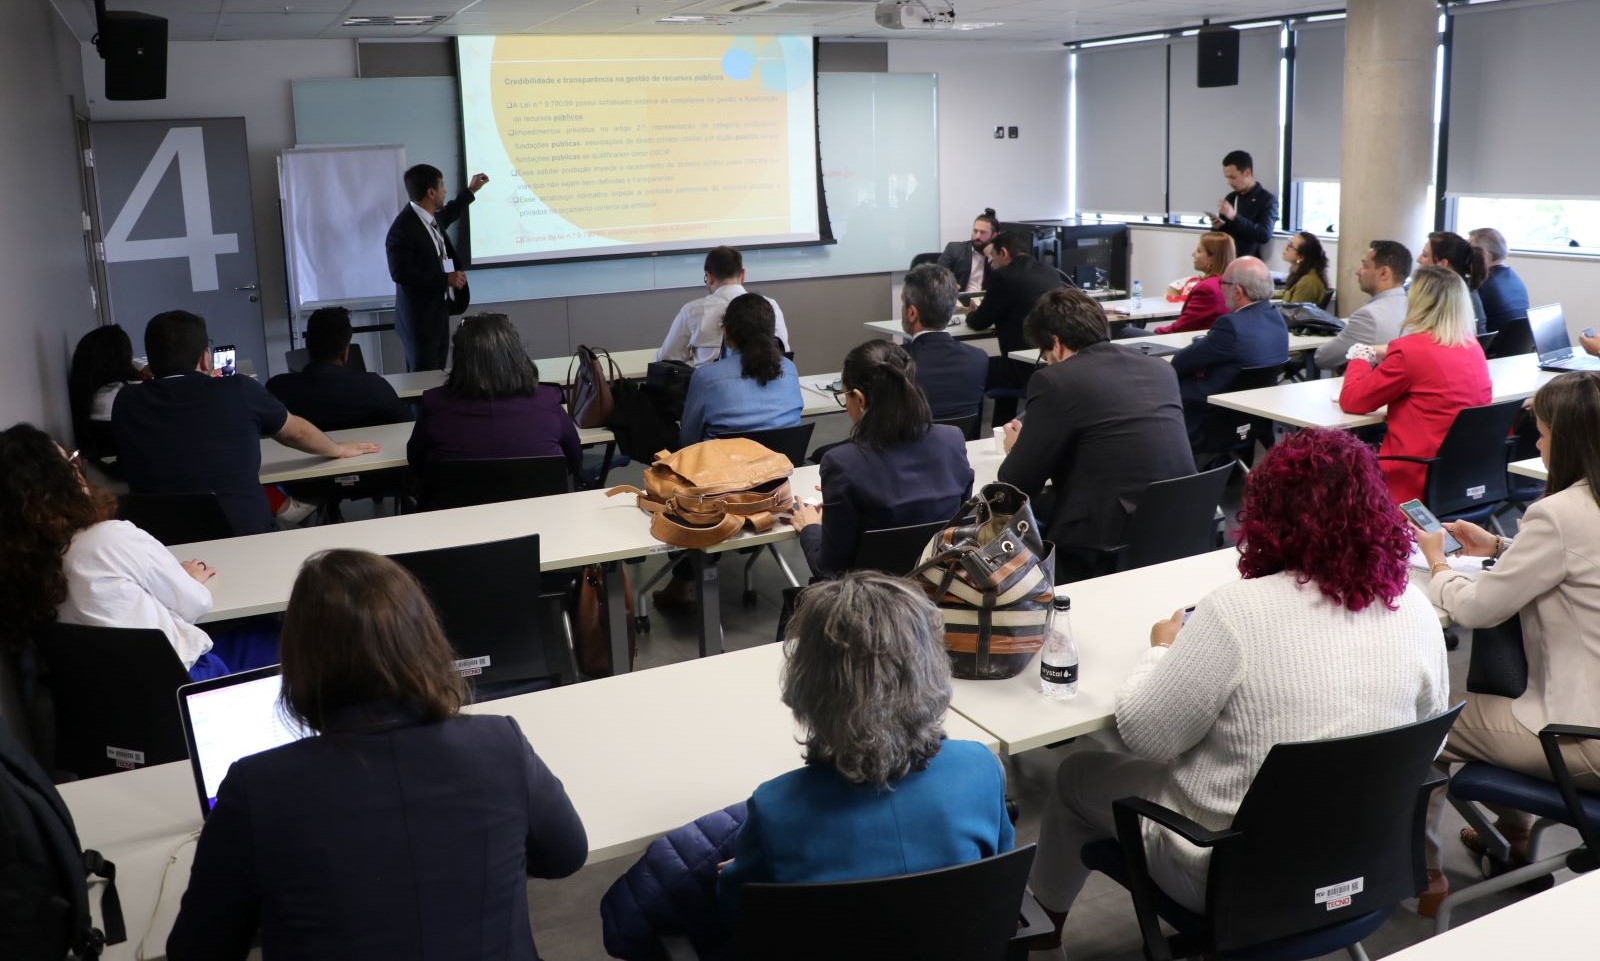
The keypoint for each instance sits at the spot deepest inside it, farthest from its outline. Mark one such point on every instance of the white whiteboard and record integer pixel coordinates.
(338, 202)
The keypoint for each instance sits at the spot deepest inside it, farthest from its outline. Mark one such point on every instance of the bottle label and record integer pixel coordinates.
(1058, 674)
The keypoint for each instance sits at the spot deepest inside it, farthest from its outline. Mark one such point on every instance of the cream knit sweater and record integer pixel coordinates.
(1265, 661)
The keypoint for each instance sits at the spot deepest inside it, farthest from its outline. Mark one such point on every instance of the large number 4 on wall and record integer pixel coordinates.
(199, 244)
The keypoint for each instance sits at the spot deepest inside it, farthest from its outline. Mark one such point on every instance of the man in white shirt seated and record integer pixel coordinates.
(696, 333)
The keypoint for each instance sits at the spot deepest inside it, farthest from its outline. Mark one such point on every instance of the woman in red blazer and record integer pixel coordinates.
(1427, 375)
(1206, 302)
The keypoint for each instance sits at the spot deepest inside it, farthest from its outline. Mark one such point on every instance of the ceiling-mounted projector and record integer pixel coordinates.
(915, 15)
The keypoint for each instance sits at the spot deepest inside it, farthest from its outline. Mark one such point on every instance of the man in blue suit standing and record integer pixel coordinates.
(950, 373)
(1253, 335)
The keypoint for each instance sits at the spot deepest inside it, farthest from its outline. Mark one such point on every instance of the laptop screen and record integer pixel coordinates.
(227, 718)
(1549, 325)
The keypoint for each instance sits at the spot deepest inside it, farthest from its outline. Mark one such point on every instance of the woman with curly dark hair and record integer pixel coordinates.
(1323, 637)
(66, 558)
(1308, 270)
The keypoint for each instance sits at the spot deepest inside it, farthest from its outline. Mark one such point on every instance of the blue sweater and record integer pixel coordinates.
(812, 825)
(723, 401)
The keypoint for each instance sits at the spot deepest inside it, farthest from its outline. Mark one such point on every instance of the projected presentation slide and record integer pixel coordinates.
(601, 146)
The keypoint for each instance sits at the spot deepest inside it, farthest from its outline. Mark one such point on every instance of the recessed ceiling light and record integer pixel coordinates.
(1121, 40)
(682, 19)
(397, 20)
(977, 25)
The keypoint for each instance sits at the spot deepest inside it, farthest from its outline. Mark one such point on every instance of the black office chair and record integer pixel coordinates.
(1466, 479)
(176, 518)
(298, 358)
(112, 695)
(1552, 802)
(928, 258)
(968, 424)
(489, 600)
(1486, 342)
(1515, 337)
(791, 442)
(970, 912)
(1229, 436)
(1318, 814)
(1327, 298)
(893, 550)
(1174, 519)
(491, 480)
(1523, 445)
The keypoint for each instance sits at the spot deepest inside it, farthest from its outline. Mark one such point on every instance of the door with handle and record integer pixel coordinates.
(175, 198)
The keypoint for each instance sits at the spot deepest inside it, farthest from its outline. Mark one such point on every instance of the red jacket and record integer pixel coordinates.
(1201, 310)
(1425, 386)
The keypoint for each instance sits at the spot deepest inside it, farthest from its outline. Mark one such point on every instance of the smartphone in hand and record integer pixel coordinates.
(1423, 518)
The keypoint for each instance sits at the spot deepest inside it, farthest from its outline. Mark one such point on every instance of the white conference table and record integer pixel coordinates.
(1111, 620)
(280, 464)
(1532, 467)
(639, 755)
(1315, 403)
(632, 364)
(1298, 344)
(984, 340)
(1549, 925)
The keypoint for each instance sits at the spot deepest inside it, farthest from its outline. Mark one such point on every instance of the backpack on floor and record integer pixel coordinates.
(44, 894)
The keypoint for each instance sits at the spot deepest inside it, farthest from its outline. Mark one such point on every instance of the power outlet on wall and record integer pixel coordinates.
(1011, 132)
(999, 133)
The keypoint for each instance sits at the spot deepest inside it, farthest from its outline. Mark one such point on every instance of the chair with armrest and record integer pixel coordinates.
(1174, 519)
(489, 601)
(1515, 336)
(176, 518)
(979, 911)
(491, 480)
(1553, 802)
(111, 693)
(791, 442)
(893, 550)
(1486, 342)
(926, 258)
(1318, 816)
(968, 425)
(1230, 435)
(1466, 479)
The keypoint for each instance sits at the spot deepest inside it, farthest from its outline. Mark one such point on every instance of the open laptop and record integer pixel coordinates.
(227, 718)
(1550, 339)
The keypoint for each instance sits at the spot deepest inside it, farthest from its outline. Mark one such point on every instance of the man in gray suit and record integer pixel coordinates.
(1382, 274)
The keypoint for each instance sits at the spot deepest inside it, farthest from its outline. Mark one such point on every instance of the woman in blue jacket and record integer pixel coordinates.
(402, 830)
(898, 468)
(753, 386)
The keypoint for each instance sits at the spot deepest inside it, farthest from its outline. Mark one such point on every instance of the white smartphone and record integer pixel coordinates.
(1423, 518)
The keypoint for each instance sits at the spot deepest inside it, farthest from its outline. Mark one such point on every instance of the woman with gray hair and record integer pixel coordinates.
(492, 404)
(883, 791)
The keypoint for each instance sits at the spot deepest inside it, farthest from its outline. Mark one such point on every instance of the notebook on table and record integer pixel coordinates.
(227, 718)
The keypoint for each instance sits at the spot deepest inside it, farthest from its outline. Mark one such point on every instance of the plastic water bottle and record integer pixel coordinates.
(1058, 661)
(1138, 295)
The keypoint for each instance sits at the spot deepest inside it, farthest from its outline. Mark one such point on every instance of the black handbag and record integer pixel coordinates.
(668, 381)
(1309, 319)
(1498, 665)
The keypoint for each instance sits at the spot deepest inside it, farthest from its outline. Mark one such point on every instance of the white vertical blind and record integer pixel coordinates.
(1207, 123)
(1318, 108)
(1523, 119)
(1122, 102)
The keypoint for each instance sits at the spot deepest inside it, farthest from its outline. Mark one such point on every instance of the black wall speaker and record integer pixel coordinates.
(1217, 63)
(134, 47)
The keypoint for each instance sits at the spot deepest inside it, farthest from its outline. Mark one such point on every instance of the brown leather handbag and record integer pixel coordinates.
(588, 389)
(707, 492)
(993, 576)
(590, 640)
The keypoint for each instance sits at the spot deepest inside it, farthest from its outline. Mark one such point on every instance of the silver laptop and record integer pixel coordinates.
(227, 718)
(1550, 339)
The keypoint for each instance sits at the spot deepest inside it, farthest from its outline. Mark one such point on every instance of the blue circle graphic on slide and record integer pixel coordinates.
(740, 60)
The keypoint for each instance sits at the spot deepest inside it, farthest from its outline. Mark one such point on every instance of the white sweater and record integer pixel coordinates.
(1265, 661)
(119, 576)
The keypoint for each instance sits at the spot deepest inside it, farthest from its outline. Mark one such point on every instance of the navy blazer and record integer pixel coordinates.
(950, 373)
(334, 397)
(1011, 295)
(1252, 336)
(865, 489)
(383, 839)
(1505, 296)
(421, 312)
(1102, 426)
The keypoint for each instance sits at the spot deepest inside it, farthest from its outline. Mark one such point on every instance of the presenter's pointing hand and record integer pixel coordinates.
(357, 448)
(477, 181)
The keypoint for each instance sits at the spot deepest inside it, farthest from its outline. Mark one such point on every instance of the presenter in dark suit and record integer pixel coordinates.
(401, 828)
(429, 284)
(950, 373)
(1252, 335)
(1104, 422)
(964, 258)
(897, 468)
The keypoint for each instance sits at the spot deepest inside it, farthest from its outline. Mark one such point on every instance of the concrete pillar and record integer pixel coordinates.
(1387, 151)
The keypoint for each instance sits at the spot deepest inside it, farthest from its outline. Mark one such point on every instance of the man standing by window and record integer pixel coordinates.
(1250, 212)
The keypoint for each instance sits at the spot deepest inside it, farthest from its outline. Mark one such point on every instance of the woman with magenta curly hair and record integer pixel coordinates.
(1323, 637)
